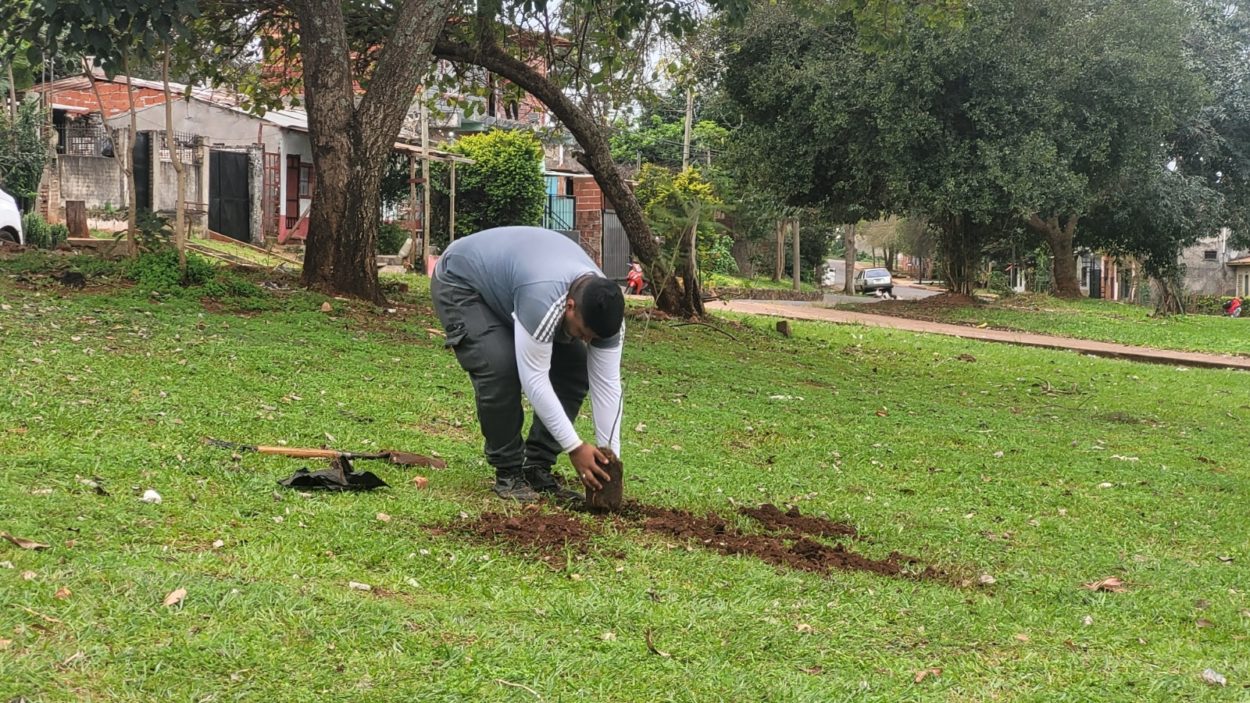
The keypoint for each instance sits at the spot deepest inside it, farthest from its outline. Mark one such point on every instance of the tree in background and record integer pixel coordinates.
(505, 184)
(1153, 220)
(682, 208)
(23, 150)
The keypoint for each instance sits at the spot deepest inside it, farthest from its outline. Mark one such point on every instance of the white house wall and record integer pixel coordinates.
(294, 144)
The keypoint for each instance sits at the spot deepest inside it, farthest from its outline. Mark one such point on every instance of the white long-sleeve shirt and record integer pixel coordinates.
(524, 274)
(603, 369)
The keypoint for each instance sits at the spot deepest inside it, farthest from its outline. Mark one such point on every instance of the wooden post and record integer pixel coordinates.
(425, 183)
(451, 217)
(781, 251)
(412, 211)
(76, 218)
(794, 224)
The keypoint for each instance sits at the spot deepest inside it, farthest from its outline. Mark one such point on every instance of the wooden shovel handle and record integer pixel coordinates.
(301, 453)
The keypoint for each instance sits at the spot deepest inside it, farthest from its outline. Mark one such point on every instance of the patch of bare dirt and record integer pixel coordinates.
(543, 534)
(790, 539)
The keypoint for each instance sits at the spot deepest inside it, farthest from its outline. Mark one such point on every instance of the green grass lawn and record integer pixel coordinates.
(1100, 320)
(719, 280)
(1042, 469)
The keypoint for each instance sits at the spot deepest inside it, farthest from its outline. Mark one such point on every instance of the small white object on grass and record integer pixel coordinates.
(151, 496)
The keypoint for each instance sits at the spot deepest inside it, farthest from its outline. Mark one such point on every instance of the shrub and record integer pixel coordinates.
(1206, 304)
(1000, 284)
(158, 271)
(504, 185)
(391, 237)
(60, 234)
(38, 232)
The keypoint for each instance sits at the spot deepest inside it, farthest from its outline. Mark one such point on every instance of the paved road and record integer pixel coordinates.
(903, 292)
(1119, 351)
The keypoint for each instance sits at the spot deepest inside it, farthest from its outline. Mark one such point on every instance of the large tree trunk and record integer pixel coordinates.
(961, 252)
(350, 141)
(1059, 238)
(848, 285)
(671, 294)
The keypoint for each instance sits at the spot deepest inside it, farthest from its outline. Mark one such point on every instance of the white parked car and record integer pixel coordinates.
(873, 280)
(10, 220)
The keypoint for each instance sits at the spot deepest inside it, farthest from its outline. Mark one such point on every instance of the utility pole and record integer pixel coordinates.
(685, 145)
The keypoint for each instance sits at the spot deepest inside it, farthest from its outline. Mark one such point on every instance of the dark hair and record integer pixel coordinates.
(601, 305)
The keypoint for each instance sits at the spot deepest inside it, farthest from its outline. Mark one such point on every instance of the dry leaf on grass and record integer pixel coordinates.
(1204, 623)
(1022, 637)
(175, 597)
(925, 673)
(5, 644)
(23, 542)
(420, 482)
(383, 517)
(1112, 585)
(62, 593)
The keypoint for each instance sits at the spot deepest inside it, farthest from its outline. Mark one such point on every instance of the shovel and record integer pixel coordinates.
(395, 457)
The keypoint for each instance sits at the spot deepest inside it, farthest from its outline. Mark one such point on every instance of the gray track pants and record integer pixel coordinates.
(483, 344)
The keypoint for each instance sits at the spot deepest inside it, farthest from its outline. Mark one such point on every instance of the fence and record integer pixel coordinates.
(91, 139)
(558, 214)
(185, 144)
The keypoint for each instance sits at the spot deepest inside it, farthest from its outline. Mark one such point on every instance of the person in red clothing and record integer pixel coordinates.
(633, 279)
(1233, 307)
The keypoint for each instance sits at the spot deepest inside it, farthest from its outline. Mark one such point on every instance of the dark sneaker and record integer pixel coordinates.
(514, 489)
(543, 481)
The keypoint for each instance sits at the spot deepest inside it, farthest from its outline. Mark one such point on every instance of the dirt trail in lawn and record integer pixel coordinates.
(787, 539)
(1028, 339)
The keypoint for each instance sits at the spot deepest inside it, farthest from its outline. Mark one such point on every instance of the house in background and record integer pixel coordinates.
(1241, 276)
(1212, 268)
(252, 178)
(248, 177)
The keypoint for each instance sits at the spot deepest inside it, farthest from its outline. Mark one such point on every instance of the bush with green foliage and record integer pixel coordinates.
(1000, 284)
(153, 232)
(673, 202)
(60, 234)
(157, 271)
(38, 232)
(504, 186)
(23, 150)
(391, 237)
(1207, 304)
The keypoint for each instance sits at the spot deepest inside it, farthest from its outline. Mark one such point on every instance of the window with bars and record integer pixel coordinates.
(307, 180)
(1210, 255)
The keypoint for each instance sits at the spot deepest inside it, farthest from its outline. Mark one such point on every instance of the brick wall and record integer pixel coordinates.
(589, 217)
(113, 95)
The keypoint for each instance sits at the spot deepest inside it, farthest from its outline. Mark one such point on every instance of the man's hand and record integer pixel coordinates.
(588, 461)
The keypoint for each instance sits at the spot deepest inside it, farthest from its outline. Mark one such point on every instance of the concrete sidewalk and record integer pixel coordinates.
(1028, 339)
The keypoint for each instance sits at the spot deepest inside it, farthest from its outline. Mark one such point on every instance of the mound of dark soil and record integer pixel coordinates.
(791, 540)
(771, 517)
